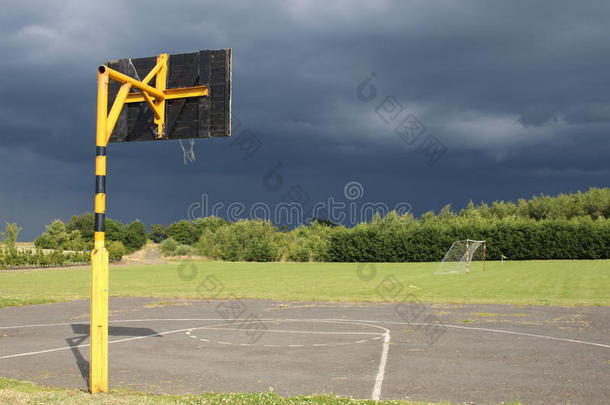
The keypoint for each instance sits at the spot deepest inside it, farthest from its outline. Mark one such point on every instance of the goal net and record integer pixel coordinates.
(462, 256)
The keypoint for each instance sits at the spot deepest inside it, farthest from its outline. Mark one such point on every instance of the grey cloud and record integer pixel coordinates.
(516, 91)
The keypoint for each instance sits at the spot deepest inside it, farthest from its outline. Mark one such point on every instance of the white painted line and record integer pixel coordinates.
(87, 344)
(379, 334)
(381, 372)
(494, 331)
(37, 325)
(362, 321)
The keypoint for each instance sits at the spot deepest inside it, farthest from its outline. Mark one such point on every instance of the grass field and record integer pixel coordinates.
(20, 393)
(564, 283)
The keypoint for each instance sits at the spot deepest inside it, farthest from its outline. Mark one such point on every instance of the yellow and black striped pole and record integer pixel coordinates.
(106, 120)
(98, 372)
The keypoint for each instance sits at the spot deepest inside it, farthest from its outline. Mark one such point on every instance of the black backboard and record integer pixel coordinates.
(195, 117)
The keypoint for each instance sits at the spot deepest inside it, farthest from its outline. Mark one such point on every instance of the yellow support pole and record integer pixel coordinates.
(115, 111)
(161, 85)
(171, 94)
(98, 365)
(155, 97)
(122, 78)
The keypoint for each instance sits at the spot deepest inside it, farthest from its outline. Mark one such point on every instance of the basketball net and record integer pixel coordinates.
(188, 151)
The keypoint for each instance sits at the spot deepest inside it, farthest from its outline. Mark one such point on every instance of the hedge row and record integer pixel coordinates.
(406, 239)
(38, 258)
(516, 239)
(16, 258)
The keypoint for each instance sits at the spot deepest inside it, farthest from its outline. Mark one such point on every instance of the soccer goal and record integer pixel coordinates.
(462, 256)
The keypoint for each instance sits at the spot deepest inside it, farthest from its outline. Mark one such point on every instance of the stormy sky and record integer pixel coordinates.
(418, 102)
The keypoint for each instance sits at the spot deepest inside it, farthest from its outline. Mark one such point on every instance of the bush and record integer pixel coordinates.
(243, 241)
(184, 250)
(307, 243)
(116, 251)
(183, 232)
(26, 258)
(135, 236)
(168, 246)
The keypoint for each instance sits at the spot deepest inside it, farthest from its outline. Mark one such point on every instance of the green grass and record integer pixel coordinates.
(564, 283)
(17, 392)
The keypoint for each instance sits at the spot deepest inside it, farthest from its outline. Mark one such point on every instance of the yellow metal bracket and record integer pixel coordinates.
(154, 97)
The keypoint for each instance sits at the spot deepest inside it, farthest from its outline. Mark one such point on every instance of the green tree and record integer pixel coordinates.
(322, 221)
(116, 251)
(252, 241)
(135, 236)
(84, 223)
(184, 232)
(211, 223)
(10, 235)
(158, 233)
(115, 231)
(55, 236)
(168, 246)
(75, 241)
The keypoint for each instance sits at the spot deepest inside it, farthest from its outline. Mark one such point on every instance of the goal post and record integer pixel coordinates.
(461, 256)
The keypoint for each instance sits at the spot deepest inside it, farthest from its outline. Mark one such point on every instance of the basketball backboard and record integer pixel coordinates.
(207, 116)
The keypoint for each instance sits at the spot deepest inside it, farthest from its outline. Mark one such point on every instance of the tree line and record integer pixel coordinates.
(566, 226)
(13, 257)
(77, 234)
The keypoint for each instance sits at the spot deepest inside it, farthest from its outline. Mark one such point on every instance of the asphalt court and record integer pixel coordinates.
(429, 352)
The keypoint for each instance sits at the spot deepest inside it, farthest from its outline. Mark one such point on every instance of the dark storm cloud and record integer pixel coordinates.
(516, 91)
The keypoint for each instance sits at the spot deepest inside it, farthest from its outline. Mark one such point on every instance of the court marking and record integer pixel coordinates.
(383, 361)
(376, 394)
(474, 328)
(378, 378)
(378, 335)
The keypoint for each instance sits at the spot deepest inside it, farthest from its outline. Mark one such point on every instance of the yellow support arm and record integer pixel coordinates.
(155, 97)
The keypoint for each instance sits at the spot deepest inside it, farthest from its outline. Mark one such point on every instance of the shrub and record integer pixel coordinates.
(116, 251)
(306, 243)
(27, 258)
(168, 246)
(243, 241)
(184, 250)
(183, 232)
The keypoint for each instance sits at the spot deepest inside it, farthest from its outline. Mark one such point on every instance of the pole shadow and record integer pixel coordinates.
(82, 329)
